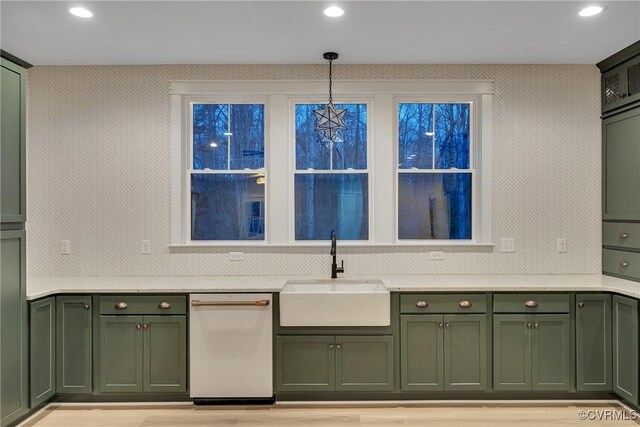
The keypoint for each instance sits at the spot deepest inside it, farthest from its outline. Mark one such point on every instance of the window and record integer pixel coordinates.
(331, 180)
(434, 167)
(228, 174)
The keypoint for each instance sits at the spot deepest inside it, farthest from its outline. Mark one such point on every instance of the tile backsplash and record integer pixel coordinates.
(98, 174)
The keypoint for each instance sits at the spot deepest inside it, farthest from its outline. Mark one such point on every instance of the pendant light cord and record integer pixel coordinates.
(330, 83)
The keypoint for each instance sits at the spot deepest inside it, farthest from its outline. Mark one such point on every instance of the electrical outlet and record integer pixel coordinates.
(436, 255)
(236, 256)
(65, 247)
(146, 247)
(561, 245)
(508, 245)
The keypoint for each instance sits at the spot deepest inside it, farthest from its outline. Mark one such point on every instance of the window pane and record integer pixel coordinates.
(326, 202)
(210, 123)
(218, 128)
(313, 152)
(247, 139)
(415, 136)
(227, 207)
(434, 206)
(452, 136)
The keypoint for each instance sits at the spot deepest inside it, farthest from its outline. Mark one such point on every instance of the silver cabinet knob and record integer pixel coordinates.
(145, 326)
(531, 303)
(422, 304)
(86, 306)
(121, 305)
(536, 325)
(138, 326)
(337, 346)
(580, 304)
(624, 264)
(624, 235)
(465, 304)
(447, 325)
(164, 305)
(529, 325)
(440, 324)
(330, 346)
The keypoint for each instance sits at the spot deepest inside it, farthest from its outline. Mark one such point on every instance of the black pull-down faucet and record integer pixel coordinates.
(334, 266)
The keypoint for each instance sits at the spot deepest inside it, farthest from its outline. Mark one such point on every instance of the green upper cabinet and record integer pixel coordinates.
(364, 363)
(625, 348)
(593, 342)
(13, 327)
(621, 85)
(74, 344)
(12, 142)
(621, 154)
(42, 352)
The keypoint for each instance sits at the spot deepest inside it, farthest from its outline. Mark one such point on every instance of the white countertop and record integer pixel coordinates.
(38, 287)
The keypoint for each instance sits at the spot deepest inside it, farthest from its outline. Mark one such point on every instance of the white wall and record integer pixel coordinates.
(98, 173)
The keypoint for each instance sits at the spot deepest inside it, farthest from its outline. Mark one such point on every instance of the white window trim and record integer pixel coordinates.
(278, 145)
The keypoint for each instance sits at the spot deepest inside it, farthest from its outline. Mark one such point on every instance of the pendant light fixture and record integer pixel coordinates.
(330, 119)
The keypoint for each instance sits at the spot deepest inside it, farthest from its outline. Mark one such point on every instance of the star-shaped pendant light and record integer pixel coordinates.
(330, 119)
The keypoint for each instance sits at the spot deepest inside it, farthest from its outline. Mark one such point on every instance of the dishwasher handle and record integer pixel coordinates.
(258, 303)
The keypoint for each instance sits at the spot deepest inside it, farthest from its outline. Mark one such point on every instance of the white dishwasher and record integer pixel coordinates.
(230, 347)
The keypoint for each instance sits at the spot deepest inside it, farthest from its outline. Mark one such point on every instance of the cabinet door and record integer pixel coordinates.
(512, 351)
(621, 180)
(13, 327)
(421, 352)
(465, 352)
(120, 353)
(12, 149)
(364, 363)
(43, 350)
(632, 77)
(74, 344)
(305, 363)
(593, 342)
(551, 352)
(614, 88)
(165, 353)
(625, 348)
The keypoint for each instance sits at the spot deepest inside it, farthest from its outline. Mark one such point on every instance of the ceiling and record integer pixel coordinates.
(276, 32)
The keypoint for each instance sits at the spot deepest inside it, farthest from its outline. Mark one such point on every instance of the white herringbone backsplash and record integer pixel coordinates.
(99, 154)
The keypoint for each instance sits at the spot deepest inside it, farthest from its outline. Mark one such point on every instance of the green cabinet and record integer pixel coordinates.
(443, 352)
(143, 354)
(13, 137)
(621, 85)
(42, 352)
(625, 348)
(334, 363)
(13, 327)
(593, 342)
(74, 344)
(532, 352)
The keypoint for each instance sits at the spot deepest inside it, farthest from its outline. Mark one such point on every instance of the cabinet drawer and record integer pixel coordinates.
(143, 304)
(443, 303)
(624, 235)
(531, 303)
(621, 262)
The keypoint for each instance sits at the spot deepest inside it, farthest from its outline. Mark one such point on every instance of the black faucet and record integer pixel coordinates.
(334, 267)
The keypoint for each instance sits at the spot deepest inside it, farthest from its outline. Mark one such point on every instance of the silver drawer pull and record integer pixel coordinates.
(422, 304)
(624, 264)
(531, 303)
(465, 304)
(164, 305)
(121, 305)
(624, 235)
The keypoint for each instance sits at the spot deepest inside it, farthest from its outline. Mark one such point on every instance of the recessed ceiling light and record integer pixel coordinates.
(81, 12)
(333, 11)
(591, 10)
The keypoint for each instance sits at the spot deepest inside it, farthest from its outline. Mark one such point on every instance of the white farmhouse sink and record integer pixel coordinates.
(335, 302)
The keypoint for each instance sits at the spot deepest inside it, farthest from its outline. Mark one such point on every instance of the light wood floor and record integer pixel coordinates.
(423, 414)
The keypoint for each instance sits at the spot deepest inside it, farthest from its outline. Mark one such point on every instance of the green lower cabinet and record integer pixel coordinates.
(625, 348)
(593, 342)
(443, 352)
(164, 353)
(42, 352)
(320, 363)
(364, 363)
(74, 367)
(120, 354)
(13, 325)
(532, 352)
